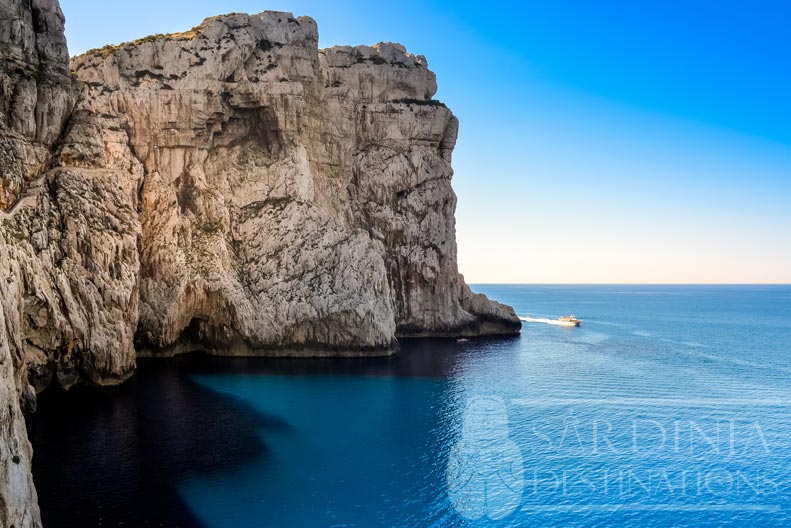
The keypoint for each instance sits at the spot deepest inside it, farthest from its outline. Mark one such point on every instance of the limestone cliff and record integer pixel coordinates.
(37, 94)
(292, 200)
(232, 189)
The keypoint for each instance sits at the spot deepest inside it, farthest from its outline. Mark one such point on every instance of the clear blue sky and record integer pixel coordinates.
(618, 141)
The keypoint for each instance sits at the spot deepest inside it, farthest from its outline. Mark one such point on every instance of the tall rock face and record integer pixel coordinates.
(70, 227)
(36, 97)
(232, 189)
(37, 92)
(293, 200)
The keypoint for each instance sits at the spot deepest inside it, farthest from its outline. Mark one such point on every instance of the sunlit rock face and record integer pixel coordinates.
(294, 200)
(232, 189)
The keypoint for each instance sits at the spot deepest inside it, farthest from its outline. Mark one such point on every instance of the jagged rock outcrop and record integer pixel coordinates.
(232, 188)
(70, 230)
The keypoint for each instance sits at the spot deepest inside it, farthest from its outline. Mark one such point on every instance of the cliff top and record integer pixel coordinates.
(278, 26)
(229, 21)
(381, 53)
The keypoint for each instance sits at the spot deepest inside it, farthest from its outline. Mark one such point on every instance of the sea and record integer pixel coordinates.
(668, 406)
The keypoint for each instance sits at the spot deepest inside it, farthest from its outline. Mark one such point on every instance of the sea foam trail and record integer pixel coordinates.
(539, 320)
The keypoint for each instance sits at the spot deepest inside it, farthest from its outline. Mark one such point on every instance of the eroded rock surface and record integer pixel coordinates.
(36, 97)
(294, 200)
(232, 188)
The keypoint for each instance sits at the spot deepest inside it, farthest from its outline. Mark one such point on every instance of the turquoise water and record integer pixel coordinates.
(669, 406)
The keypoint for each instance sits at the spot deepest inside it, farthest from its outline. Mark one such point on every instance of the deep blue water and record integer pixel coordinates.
(669, 407)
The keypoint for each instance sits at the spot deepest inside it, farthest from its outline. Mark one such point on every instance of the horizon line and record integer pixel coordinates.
(630, 283)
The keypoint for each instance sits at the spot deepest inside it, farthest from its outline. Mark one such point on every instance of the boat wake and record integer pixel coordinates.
(541, 320)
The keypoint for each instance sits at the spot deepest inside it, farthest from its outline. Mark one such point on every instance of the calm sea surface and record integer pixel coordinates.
(670, 406)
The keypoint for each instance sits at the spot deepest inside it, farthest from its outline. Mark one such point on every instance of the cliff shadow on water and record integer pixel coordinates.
(121, 451)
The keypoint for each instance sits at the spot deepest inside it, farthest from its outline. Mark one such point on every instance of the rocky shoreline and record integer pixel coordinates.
(233, 189)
